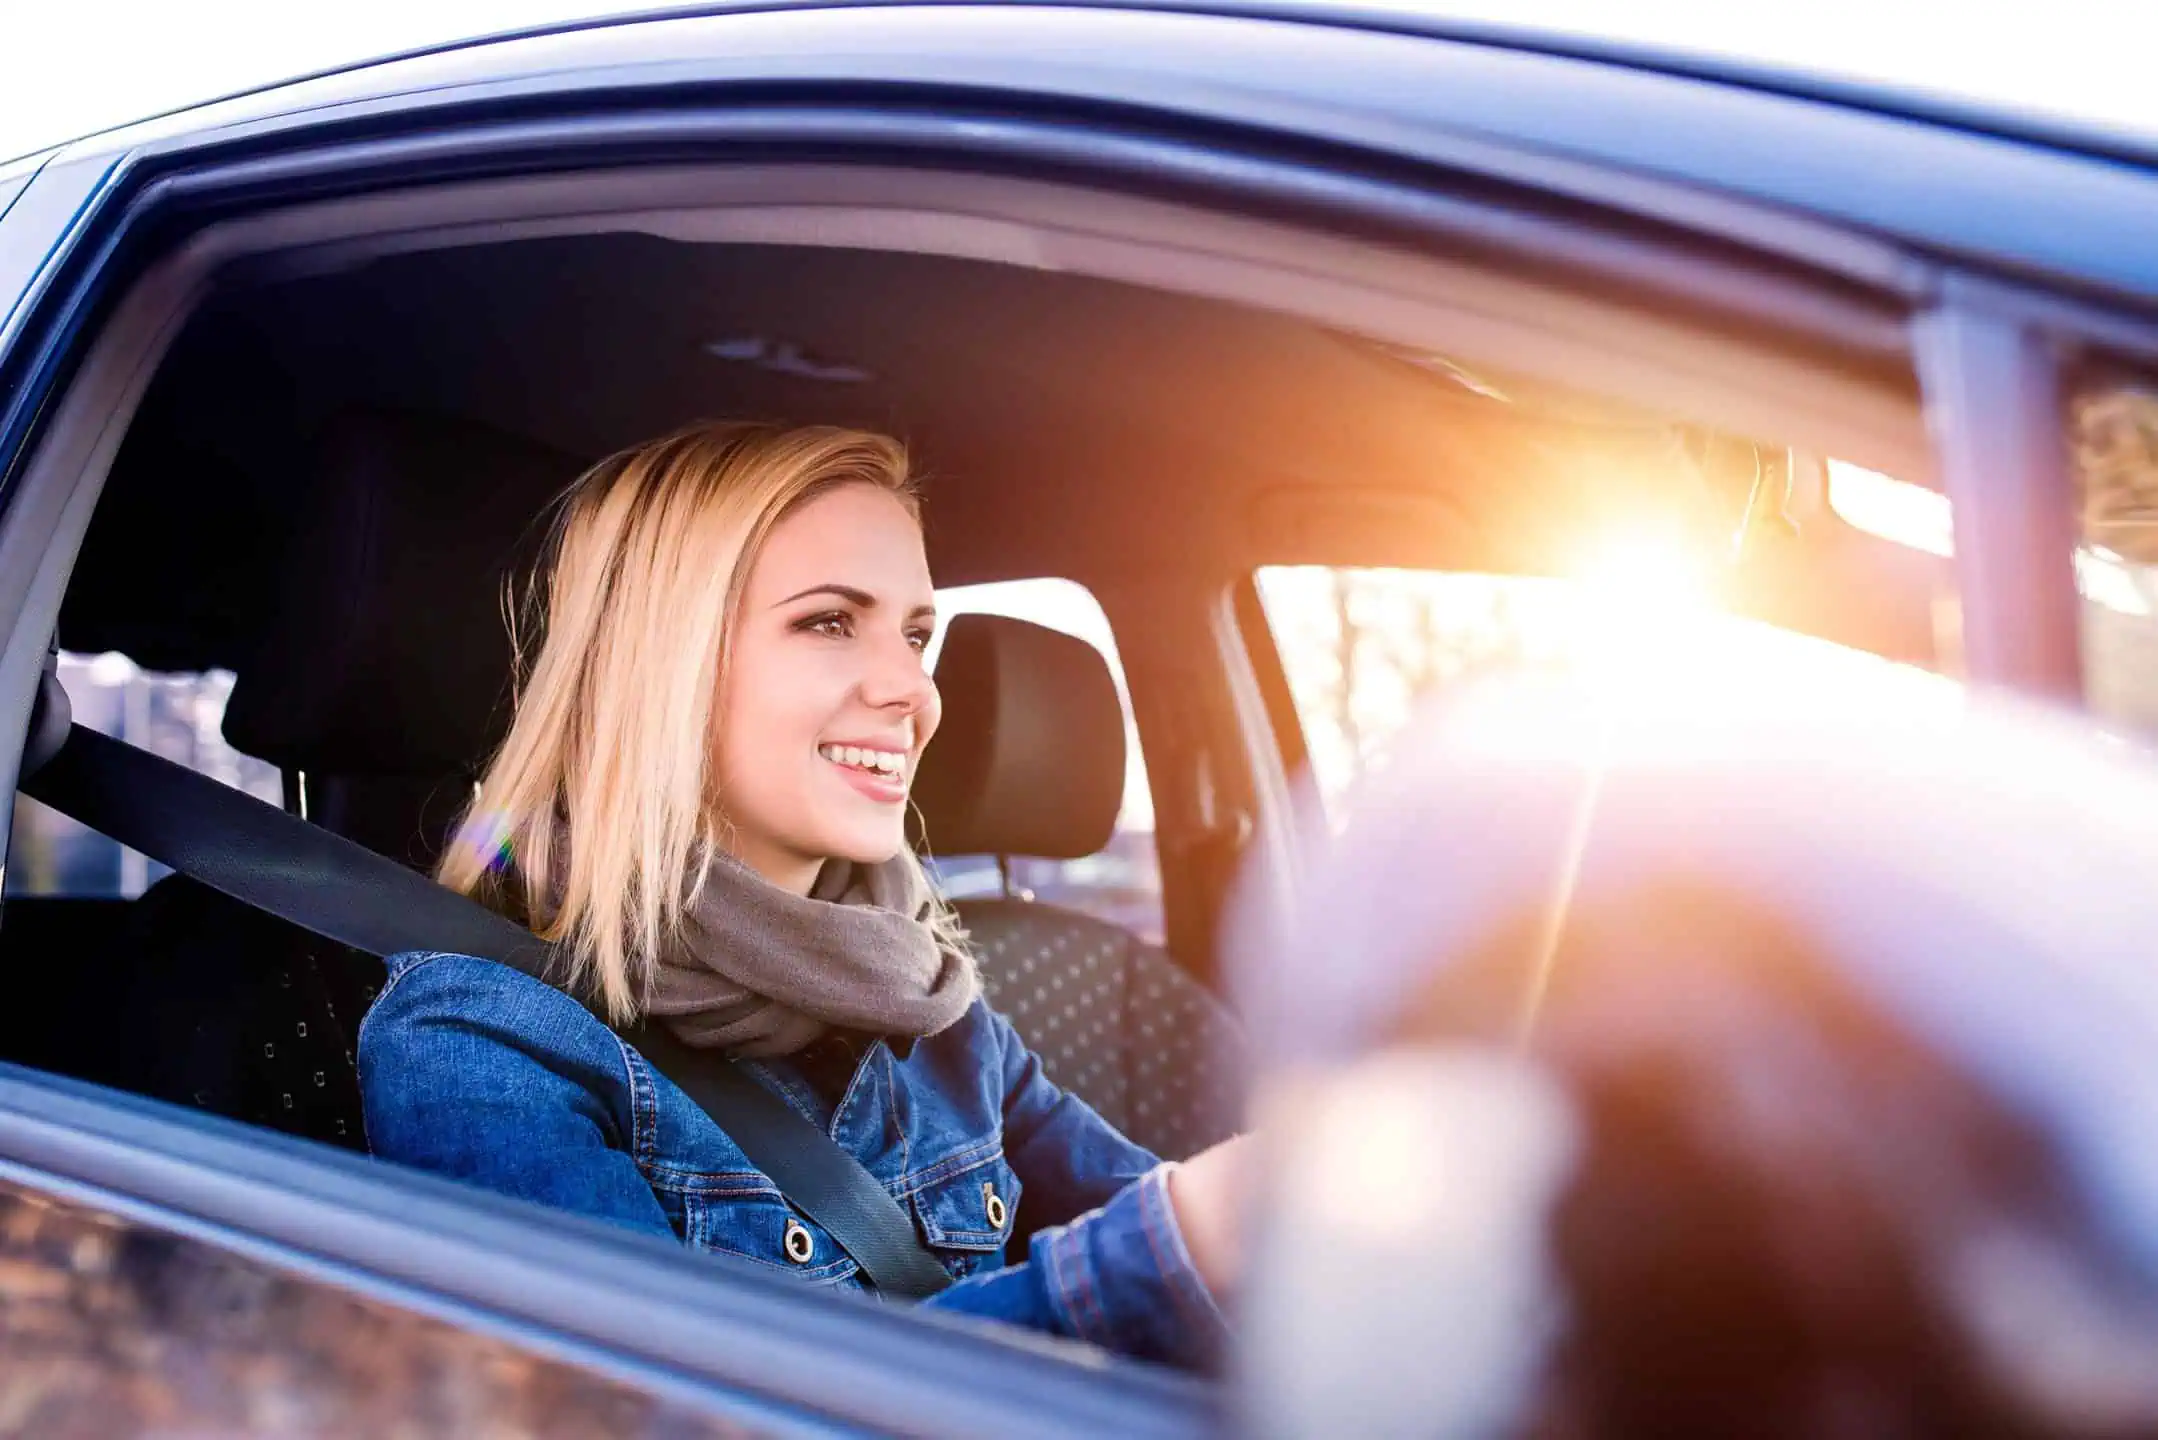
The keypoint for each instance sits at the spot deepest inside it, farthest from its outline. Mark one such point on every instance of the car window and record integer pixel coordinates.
(2114, 438)
(1122, 882)
(178, 716)
(1362, 646)
(2113, 447)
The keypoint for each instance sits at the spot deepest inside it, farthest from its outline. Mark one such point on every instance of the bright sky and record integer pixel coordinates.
(70, 68)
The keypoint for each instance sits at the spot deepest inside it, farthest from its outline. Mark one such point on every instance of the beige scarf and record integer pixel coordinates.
(761, 971)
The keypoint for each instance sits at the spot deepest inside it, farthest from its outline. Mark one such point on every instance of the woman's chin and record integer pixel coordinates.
(863, 849)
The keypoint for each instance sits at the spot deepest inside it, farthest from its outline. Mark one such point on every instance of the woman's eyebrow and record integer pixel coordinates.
(923, 612)
(859, 598)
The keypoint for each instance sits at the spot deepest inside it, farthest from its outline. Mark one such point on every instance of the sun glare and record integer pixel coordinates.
(1647, 625)
(1647, 573)
(1639, 620)
(1641, 611)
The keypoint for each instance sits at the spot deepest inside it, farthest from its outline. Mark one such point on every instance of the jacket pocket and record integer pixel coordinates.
(966, 1209)
(745, 1217)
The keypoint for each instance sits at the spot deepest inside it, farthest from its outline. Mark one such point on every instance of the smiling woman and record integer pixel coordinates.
(600, 817)
(843, 702)
(702, 802)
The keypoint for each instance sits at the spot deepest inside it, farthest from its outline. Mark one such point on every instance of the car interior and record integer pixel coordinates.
(338, 465)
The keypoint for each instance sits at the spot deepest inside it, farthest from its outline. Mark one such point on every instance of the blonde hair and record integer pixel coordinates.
(639, 587)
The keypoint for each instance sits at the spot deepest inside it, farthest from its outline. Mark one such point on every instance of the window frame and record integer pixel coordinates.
(1993, 385)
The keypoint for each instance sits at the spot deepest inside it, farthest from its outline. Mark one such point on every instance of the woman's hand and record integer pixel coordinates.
(1208, 1194)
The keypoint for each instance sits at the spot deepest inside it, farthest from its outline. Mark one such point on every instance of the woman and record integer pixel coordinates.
(701, 801)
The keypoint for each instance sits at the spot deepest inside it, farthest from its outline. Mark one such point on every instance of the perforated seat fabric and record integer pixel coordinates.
(1115, 1021)
(243, 1015)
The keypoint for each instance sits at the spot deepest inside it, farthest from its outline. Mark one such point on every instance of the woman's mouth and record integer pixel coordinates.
(879, 774)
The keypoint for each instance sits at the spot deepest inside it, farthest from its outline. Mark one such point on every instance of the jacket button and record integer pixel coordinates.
(993, 1203)
(799, 1244)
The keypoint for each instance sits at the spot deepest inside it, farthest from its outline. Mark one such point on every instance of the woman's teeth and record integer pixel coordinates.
(878, 762)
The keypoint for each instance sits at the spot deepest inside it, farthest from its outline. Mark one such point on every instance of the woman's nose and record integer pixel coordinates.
(899, 679)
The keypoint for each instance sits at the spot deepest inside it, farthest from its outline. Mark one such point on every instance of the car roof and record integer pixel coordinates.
(68, 81)
(2047, 74)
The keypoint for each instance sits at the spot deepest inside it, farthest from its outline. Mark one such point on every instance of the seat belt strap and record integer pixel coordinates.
(824, 1182)
(268, 859)
(276, 862)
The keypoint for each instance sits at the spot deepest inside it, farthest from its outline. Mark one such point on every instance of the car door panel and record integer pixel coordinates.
(116, 1327)
(710, 1336)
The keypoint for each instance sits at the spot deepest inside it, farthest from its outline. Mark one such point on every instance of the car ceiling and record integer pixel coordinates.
(1065, 425)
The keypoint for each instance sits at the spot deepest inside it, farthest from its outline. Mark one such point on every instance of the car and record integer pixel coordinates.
(1263, 335)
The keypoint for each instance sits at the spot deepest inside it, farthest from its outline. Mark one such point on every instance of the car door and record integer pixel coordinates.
(558, 1307)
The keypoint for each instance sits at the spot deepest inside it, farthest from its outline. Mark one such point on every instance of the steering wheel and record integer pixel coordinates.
(1695, 1064)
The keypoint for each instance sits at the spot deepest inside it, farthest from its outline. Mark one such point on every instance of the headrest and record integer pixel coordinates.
(388, 653)
(1029, 759)
(52, 715)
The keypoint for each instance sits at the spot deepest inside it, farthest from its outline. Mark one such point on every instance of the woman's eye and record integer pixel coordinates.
(837, 624)
(920, 639)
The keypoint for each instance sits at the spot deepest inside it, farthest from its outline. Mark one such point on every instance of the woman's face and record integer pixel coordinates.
(828, 700)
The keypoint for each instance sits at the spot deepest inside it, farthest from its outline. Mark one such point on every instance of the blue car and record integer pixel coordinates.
(1337, 357)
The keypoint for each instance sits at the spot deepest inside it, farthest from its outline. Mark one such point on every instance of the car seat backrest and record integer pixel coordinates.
(383, 677)
(1114, 1021)
(389, 654)
(1029, 757)
(1029, 760)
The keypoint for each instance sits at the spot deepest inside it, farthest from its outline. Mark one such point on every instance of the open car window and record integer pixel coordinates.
(2112, 421)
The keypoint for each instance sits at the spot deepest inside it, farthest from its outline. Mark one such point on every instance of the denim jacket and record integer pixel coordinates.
(476, 1070)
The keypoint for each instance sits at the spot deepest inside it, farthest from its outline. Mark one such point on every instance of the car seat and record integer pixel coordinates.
(1029, 761)
(381, 678)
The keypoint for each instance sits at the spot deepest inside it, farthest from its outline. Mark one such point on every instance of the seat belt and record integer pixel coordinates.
(276, 862)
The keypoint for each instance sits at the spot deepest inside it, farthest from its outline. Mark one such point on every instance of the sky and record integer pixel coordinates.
(71, 68)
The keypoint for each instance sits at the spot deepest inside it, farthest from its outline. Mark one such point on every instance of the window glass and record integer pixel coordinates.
(180, 717)
(2113, 428)
(2111, 583)
(2113, 439)
(1122, 882)
(1361, 646)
